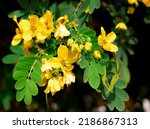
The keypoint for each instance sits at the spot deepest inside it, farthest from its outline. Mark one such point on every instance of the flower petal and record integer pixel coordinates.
(103, 33)
(62, 52)
(106, 47)
(54, 62)
(100, 40)
(16, 40)
(110, 37)
(114, 48)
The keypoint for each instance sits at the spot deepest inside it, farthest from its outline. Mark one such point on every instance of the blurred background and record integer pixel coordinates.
(79, 97)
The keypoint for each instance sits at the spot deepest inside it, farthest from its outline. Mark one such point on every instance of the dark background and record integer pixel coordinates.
(138, 88)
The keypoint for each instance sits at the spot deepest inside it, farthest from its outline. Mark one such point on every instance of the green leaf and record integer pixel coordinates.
(84, 30)
(64, 7)
(27, 97)
(120, 84)
(36, 77)
(20, 94)
(83, 63)
(122, 94)
(24, 3)
(147, 19)
(23, 66)
(99, 68)
(97, 4)
(86, 74)
(37, 69)
(119, 104)
(18, 13)
(132, 40)
(43, 5)
(94, 78)
(110, 103)
(17, 75)
(34, 4)
(6, 102)
(17, 49)
(124, 73)
(32, 87)
(10, 59)
(29, 59)
(20, 84)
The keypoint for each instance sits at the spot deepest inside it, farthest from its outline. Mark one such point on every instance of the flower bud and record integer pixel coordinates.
(97, 54)
(88, 46)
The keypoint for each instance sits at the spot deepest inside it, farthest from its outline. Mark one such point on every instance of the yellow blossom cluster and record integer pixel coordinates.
(39, 29)
(57, 71)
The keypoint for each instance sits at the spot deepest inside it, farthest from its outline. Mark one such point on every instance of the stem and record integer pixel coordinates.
(78, 6)
(31, 69)
(46, 99)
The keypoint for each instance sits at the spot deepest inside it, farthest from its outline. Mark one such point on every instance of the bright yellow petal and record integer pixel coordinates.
(103, 33)
(27, 35)
(100, 40)
(72, 57)
(62, 52)
(54, 62)
(114, 48)
(106, 47)
(16, 40)
(68, 68)
(24, 25)
(110, 37)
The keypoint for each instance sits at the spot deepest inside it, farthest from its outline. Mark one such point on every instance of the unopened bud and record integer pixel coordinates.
(97, 54)
(88, 46)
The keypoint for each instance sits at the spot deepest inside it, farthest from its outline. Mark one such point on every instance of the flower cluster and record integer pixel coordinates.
(57, 70)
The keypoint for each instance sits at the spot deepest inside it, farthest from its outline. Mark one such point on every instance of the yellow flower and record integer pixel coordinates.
(61, 30)
(47, 21)
(133, 2)
(55, 84)
(97, 54)
(45, 65)
(65, 58)
(131, 10)
(121, 26)
(146, 3)
(17, 38)
(62, 20)
(88, 46)
(25, 28)
(105, 41)
(27, 45)
(69, 77)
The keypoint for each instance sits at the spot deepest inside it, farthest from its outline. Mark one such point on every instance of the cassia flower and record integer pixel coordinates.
(146, 3)
(121, 26)
(65, 58)
(61, 30)
(105, 41)
(133, 2)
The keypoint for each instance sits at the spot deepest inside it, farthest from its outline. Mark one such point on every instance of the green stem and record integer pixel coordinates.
(46, 99)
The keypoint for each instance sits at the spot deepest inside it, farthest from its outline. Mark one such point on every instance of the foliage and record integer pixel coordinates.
(52, 38)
